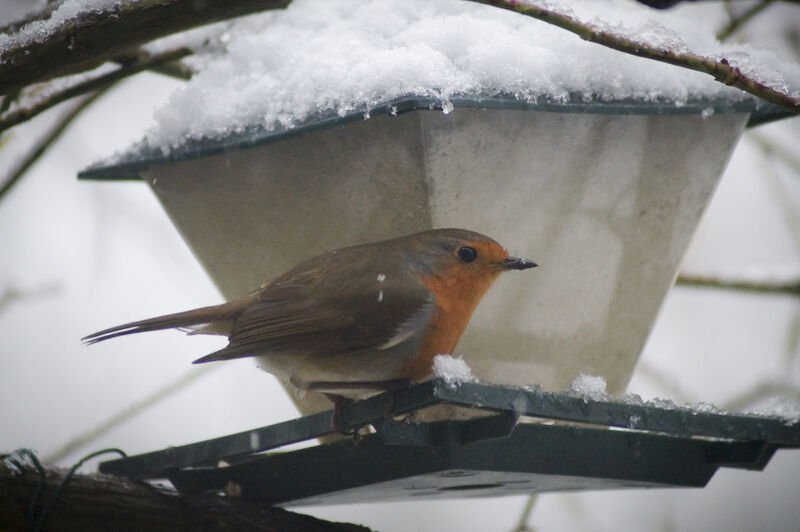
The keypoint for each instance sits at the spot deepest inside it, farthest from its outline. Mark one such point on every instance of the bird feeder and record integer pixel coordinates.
(604, 195)
(651, 446)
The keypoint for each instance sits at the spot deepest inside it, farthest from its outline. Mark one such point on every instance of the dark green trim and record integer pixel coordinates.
(140, 157)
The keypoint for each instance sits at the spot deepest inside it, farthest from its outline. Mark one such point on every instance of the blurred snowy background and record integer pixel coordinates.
(78, 256)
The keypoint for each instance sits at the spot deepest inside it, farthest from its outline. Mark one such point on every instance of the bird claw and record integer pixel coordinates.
(336, 419)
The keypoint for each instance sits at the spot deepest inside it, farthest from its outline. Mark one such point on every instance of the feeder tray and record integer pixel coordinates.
(614, 445)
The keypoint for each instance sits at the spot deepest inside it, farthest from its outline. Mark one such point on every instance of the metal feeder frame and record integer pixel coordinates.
(577, 443)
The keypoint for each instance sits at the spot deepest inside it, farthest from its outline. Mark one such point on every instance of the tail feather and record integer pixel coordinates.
(217, 319)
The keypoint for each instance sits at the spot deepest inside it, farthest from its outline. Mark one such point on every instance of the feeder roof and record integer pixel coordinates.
(141, 156)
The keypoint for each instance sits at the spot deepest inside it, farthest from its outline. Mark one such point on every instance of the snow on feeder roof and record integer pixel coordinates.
(278, 69)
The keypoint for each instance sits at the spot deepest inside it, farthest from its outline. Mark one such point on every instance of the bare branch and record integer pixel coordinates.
(174, 69)
(721, 70)
(20, 115)
(738, 21)
(93, 38)
(12, 294)
(791, 288)
(761, 391)
(8, 99)
(793, 38)
(527, 510)
(129, 412)
(667, 383)
(788, 157)
(45, 142)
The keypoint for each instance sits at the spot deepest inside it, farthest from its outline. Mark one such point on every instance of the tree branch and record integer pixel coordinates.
(92, 38)
(738, 21)
(129, 412)
(101, 502)
(789, 157)
(42, 14)
(761, 391)
(25, 113)
(721, 70)
(175, 69)
(791, 288)
(12, 294)
(45, 142)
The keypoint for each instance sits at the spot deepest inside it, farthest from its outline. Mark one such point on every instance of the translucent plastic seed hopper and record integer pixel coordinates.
(605, 196)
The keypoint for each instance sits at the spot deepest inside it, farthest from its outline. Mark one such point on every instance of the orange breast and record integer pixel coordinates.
(457, 295)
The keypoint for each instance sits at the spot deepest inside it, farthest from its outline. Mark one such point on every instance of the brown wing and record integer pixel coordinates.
(321, 306)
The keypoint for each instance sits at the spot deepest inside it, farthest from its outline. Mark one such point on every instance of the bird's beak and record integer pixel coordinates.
(517, 263)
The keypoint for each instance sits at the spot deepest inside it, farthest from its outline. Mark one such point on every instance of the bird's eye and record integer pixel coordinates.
(467, 254)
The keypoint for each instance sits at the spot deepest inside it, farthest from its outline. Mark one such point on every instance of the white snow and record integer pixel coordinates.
(590, 387)
(342, 56)
(785, 408)
(40, 30)
(666, 404)
(632, 399)
(452, 369)
(704, 408)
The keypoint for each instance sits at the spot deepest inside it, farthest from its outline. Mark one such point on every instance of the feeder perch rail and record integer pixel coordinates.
(575, 443)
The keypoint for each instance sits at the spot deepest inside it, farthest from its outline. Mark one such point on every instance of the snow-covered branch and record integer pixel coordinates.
(721, 69)
(78, 39)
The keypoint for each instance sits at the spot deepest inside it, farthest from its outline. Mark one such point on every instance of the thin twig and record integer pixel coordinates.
(522, 524)
(774, 154)
(761, 391)
(737, 22)
(175, 69)
(45, 142)
(768, 287)
(8, 99)
(128, 413)
(25, 113)
(12, 294)
(788, 157)
(792, 36)
(669, 384)
(721, 70)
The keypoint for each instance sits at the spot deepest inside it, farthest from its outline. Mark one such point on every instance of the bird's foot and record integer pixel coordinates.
(336, 419)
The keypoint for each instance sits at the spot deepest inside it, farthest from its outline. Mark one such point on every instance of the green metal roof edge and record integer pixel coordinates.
(141, 156)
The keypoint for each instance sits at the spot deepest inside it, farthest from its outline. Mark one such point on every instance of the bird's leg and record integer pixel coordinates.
(339, 400)
(336, 420)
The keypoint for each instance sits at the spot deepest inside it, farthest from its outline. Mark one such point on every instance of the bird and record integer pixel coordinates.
(353, 321)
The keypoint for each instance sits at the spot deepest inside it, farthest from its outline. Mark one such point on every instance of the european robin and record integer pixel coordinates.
(354, 320)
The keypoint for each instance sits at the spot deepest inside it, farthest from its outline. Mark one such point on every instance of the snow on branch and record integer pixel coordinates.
(722, 70)
(77, 38)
